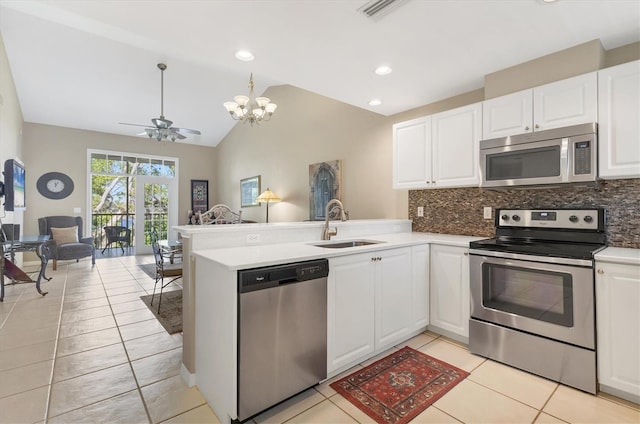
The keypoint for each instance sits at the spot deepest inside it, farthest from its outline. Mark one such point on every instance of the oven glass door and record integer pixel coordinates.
(536, 294)
(547, 299)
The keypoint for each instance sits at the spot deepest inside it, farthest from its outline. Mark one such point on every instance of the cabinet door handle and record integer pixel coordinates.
(600, 271)
(526, 128)
(466, 253)
(537, 126)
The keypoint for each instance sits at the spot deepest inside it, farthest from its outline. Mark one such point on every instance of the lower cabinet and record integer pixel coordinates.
(371, 304)
(618, 327)
(449, 291)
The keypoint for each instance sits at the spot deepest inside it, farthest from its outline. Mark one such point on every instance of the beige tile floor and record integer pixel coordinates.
(91, 352)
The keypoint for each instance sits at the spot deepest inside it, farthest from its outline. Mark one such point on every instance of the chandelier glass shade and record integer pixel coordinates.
(251, 109)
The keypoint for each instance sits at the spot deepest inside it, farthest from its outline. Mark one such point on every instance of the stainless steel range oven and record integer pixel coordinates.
(533, 293)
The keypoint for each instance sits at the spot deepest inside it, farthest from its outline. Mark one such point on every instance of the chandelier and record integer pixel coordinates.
(251, 109)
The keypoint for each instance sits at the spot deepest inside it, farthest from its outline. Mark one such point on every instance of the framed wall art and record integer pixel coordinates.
(199, 195)
(249, 191)
(325, 182)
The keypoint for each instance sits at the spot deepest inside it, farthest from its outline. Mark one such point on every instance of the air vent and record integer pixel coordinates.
(378, 8)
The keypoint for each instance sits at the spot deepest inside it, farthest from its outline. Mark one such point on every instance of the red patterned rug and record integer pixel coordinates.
(397, 388)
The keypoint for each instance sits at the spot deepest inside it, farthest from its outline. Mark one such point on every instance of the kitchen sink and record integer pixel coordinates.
(346, 243)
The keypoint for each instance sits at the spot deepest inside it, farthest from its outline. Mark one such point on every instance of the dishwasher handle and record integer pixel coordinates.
(263, 278)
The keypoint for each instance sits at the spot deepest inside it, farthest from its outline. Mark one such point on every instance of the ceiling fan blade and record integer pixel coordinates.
(186, 130)
(178, 135)
(135, 125)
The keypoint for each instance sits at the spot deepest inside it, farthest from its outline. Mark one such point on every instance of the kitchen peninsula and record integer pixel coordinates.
(396, 263)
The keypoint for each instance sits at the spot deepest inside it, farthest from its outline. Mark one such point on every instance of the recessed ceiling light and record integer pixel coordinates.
(375, 102)
(383, 70)
(244, 55)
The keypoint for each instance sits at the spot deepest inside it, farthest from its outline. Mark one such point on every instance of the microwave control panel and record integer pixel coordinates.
(582, 157)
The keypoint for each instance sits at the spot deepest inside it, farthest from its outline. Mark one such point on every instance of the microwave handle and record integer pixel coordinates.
(564, 160)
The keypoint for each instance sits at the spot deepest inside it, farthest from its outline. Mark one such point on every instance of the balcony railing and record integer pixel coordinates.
(159, 221)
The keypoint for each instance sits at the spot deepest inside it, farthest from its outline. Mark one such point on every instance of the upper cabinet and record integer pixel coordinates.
(507, 115)
(455, 147)
(438, 151)
(412, 154)
(559, 104)
(619, 125)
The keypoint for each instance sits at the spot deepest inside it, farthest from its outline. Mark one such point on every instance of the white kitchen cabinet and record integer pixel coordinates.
(394, 296)
(350, 309)
(438, 151)
(455, 141)
(618, 326)
(558, 104)
(507, 115)
(412, 154)
(370, 302)
(420, 278)
(449, 291)
(619, 122)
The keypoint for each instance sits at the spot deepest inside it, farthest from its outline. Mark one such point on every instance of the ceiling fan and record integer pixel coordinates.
(162, 128)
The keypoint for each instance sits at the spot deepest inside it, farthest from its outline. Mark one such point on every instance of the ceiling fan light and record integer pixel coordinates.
(241, 100)
(270, 108)
(262, 101)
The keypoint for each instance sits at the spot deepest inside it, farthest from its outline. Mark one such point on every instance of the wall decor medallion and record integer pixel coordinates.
(325, 182)
(55, 185)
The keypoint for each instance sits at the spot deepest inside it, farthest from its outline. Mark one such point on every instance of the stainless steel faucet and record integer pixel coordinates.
(328, 232)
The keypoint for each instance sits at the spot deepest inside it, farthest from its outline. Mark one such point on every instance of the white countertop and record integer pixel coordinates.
(245, 257)
(619, 255)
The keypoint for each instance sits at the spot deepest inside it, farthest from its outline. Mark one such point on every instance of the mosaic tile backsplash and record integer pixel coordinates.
(459, 210)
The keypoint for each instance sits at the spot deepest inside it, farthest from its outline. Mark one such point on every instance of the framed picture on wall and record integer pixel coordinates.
(199, 195)
(249, 191)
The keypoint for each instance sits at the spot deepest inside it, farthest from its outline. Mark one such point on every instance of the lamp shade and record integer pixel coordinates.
(268, 196)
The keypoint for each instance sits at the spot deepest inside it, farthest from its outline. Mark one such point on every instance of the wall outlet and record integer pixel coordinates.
(487, 212)
(253, 238)
(77, 210)
(420, 211)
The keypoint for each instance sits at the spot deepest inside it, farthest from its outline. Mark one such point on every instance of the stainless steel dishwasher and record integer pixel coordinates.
(282, 333)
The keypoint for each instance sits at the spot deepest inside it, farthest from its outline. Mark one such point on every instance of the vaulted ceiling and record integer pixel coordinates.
(92, 64)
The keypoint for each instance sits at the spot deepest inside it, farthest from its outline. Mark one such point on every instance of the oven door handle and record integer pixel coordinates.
(533, 258)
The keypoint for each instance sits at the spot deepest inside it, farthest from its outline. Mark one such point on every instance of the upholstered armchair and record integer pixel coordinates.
(66, 232)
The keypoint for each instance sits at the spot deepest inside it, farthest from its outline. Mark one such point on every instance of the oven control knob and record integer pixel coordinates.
(505, 217)
(573, 218)
(588, 218)
(515, 218)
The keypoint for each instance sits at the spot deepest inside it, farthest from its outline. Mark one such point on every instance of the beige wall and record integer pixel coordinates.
(622, 54)
(308, 128)
(10, 128)
(48, 148)
(576, 60)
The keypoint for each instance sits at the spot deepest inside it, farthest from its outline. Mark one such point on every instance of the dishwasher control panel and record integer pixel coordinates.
(273, 276)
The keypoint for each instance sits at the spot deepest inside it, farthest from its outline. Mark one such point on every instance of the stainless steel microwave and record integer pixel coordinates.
(556, 156)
